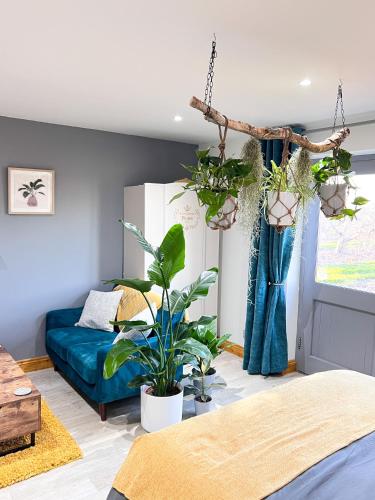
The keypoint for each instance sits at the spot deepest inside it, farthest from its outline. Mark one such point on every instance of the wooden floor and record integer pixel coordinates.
(105, 444)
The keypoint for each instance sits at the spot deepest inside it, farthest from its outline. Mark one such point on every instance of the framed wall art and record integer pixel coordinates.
(31, 191)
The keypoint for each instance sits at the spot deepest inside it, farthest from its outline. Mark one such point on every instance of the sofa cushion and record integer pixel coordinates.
(60, 339)
(83, 358)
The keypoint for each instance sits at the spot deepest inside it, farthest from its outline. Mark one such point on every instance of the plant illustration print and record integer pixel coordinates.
(31, 190)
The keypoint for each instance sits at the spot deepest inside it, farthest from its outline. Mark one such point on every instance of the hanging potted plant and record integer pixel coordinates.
(217, 183)
(333, 180)
(281, 197)
(173, 346)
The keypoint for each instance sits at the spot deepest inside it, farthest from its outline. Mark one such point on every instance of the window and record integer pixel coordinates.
(346, 249)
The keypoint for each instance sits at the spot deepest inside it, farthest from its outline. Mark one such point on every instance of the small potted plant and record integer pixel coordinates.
(332, 181)
(202, 390)
(162, 357)
(206, 335)
(217, 184)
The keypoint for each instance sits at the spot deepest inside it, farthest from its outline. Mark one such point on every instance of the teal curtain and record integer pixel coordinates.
(266, 346)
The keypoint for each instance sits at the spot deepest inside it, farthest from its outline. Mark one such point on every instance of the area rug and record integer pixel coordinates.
(54, 446)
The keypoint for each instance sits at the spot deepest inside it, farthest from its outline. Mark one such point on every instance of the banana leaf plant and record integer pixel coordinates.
(175, 344)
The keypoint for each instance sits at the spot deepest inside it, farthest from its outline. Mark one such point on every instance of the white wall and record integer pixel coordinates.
(360, 141)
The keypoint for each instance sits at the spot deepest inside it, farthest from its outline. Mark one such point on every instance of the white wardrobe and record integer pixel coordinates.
(148, 207)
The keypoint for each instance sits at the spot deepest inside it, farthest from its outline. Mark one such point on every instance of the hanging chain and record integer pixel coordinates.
(339, 102)
(210, 77)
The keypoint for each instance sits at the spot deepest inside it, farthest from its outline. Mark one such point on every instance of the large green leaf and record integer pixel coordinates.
(360, 200)
(184, 359)
(140, 326)
(136, 284)
(182, 299)
(177, 301)
(172, 257)
(194, 347)
(140, 380)
(147, 247)
(200, 287)
(120, 353)
(176, 197)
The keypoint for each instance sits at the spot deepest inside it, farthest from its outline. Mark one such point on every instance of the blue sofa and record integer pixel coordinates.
(79, 353)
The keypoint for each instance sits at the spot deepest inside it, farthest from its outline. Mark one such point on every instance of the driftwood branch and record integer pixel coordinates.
(328, 144)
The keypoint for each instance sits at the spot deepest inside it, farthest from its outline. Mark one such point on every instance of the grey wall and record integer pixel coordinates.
(51, 261)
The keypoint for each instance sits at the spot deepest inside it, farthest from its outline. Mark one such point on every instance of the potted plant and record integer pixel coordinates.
(281, 197)
(332, 182)
(202, 386)
(205, 333)
(161, 393)
(217, 184)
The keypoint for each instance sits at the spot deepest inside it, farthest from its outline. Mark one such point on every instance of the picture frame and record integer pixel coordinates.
(31, 191)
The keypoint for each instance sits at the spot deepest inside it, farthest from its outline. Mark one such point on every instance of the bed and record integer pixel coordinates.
(313, 439)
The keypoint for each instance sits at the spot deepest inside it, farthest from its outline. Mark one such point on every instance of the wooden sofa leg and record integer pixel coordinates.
(103, 411)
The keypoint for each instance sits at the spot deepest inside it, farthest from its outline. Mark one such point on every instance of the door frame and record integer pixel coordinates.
(309, 288)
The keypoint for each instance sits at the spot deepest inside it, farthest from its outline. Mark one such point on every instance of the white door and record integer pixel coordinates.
(336, 319)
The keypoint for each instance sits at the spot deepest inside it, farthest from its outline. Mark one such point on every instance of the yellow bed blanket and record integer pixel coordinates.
(251, 448)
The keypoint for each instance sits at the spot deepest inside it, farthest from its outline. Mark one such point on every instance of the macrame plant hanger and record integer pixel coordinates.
(227, 215)
(282, 211)
(333, 196)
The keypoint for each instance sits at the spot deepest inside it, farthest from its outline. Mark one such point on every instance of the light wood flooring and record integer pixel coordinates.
(105, 444)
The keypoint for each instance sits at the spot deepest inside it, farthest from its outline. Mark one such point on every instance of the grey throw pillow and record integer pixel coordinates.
(100, 308)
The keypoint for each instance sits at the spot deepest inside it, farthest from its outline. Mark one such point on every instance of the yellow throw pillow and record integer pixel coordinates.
(133, 302)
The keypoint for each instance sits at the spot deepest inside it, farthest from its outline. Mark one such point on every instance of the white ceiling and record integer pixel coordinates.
(131, 66)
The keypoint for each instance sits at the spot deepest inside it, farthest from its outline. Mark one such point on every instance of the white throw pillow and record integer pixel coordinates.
(144, 315)
(100, 308)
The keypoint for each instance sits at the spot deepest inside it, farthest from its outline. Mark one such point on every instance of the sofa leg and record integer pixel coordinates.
(103, 411)
(55, 368)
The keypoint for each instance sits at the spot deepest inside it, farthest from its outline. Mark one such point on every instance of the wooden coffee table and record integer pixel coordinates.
(19, 415)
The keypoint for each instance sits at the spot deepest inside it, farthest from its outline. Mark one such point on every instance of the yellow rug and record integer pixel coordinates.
(54, 447)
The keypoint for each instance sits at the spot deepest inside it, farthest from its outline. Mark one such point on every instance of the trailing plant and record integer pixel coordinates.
(299, 165)
(250, 195)
(336, 169)
(358, 201)
(339, 164)
(175, 343)
(214, 179)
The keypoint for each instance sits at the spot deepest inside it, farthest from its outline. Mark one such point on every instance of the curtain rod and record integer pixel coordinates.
(355, 124)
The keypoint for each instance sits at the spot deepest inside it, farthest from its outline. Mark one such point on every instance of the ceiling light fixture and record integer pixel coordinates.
(305, 83)
(178, 118)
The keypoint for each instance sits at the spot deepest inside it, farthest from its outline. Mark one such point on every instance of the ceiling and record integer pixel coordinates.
(129, 67)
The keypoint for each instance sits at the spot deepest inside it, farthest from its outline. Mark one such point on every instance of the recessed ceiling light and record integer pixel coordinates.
(305, 83)
(178, 118)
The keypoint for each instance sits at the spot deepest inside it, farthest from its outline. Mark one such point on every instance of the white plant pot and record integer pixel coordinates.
(282, 208)
(227, 215)
(333, 198)
(208, 380)
(159, 412)
(203, 407)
